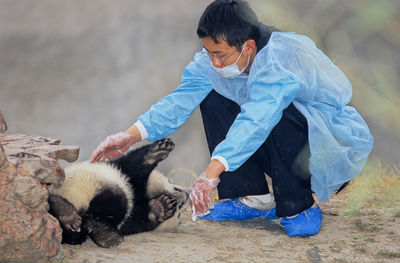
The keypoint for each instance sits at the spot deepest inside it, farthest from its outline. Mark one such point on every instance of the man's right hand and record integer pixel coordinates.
(112, 147)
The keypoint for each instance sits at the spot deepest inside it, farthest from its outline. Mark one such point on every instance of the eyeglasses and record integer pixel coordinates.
(222, 59)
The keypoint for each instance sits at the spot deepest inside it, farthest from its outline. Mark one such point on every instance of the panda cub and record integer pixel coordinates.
(106, 201)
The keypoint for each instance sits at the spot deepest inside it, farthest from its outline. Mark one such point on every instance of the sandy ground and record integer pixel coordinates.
(372, 236)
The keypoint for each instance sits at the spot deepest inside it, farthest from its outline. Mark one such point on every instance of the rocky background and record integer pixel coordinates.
(28, 164)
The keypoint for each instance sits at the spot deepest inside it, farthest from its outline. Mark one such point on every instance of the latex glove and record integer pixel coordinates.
(112, 146)
(200, 195)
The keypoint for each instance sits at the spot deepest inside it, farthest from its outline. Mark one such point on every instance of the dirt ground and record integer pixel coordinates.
(371, 236)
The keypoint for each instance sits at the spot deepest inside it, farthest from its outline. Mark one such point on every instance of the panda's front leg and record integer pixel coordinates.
(65, 212)
(161, 209)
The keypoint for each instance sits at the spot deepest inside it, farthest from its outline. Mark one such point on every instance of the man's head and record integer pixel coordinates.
(231, 20)
(229, 30)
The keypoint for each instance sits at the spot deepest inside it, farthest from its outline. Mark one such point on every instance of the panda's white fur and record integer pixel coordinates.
(124, 196)
(83, 181)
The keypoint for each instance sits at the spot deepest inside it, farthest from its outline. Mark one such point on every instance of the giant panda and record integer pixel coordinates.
(106, 201)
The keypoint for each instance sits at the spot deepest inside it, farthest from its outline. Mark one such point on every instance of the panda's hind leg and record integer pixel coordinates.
(158, 151)
(139, 163)
(161, 208)
(147, 215)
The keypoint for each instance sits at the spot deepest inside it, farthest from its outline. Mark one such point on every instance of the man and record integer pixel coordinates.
(272, 103)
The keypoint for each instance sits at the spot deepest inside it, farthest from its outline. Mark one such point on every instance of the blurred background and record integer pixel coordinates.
(80, 70)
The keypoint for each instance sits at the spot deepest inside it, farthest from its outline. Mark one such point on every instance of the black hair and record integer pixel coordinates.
(231, 20)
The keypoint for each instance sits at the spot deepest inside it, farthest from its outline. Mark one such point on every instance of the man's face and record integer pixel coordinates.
(222, 55)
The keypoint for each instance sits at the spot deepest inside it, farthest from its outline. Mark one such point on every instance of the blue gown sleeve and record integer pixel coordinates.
(169, 113)
(271, 90)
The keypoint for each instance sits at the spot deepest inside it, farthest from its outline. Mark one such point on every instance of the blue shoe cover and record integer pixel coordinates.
(306, 223)
(233, 209)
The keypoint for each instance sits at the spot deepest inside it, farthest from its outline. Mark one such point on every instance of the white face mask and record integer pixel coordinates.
(232, 71)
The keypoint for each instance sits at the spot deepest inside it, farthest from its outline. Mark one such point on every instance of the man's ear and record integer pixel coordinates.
(250, 47)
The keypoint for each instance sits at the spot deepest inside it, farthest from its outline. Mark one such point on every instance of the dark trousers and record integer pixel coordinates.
(283, 157)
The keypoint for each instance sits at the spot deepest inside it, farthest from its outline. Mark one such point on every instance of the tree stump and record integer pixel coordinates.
(28, 165)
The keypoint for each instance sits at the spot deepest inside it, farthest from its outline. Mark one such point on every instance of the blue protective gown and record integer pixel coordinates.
(289, 69)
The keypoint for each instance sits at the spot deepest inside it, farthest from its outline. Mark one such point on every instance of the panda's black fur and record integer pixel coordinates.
(123, 196)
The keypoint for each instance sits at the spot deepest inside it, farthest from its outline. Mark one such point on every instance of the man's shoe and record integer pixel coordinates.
(233, 209)
(260, 202)
(307, 223)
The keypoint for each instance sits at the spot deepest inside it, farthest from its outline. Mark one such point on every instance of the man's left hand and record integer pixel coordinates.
(200, 195)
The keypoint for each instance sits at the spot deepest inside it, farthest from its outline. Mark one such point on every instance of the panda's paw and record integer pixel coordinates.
(162, 208)
(71, 222)
(159, 151)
